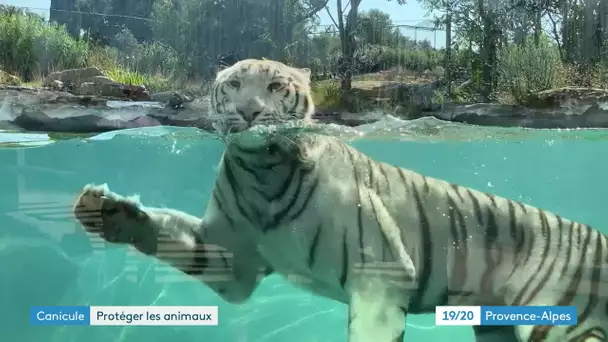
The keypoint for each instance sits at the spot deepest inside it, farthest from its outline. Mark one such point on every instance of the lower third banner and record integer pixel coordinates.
(505, 315)
(124, 315)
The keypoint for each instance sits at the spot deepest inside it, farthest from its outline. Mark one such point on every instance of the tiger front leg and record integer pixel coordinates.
(173, 237)
(117, 219)
(124, 220)
(375, 313)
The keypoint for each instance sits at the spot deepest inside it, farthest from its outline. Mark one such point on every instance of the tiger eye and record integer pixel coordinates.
(234, 84)
(274, 86)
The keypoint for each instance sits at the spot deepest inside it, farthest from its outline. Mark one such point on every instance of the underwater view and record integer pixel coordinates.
(313, 236)
(47, 259)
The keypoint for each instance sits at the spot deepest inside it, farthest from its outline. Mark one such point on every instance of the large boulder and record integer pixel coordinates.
(567, 97)
(92, 81)
(503, 115)
(172, 99)
(417, 98)
(73, 76)
(34, 109)
(8, 79)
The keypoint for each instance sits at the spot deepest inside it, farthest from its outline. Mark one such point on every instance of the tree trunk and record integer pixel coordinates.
(347, 39)
(537, 24)
(601, 30)
(488, 49)
(63, 12)
(566, 31)
(448, 50)
(589, 46)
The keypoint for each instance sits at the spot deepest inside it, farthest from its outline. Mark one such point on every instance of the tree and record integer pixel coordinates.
(61, 11)
(485, 24)
(200, 30)
(376, 28)
(346, 25)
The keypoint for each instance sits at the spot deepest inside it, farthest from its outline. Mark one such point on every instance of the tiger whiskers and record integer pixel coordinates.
(223, 126)
(288, 141)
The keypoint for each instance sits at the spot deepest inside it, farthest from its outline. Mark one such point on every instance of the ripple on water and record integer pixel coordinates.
(387, 128)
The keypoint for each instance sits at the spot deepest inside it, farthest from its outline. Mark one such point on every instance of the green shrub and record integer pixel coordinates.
(30, 47)
(327, 94)
(528, 68)
(149, 58)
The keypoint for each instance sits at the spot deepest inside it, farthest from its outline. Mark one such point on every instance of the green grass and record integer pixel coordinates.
(31, 48)
(327, 94)
(154, 84)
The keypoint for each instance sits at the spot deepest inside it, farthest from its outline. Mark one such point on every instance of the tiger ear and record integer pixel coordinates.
(306, 72)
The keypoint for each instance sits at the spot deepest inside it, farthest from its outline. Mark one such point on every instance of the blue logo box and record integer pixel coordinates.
(60, 315)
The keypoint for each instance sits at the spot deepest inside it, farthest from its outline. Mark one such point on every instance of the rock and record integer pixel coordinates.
(491, 114)
(567, 97)
(56, 85)
(73, 76)
(420, 96)
(172, 99)
(8, 79)
(415, 97)
(102, 80)
(93, 82)
(135, 92)
(31, 109)
(28, 96)
(112, 90)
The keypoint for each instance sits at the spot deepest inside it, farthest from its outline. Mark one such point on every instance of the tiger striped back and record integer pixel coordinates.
(389, 241)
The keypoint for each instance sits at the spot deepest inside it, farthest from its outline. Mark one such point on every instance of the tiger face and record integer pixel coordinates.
(260, 92)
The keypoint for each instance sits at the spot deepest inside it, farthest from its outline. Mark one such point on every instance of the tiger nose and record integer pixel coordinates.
(250, 109)
(248, 114)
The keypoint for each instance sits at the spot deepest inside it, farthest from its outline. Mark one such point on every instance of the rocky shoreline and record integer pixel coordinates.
(39, 109)
(44, 109)
(490, 114)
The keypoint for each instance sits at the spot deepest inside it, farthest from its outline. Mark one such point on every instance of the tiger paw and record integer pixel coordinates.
(115, 218)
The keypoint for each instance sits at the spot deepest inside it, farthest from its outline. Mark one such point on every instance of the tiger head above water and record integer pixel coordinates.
(260, 92)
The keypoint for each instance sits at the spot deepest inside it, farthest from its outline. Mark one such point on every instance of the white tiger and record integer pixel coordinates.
(386, 241)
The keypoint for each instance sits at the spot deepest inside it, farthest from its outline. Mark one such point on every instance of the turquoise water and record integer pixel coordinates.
(45, 259)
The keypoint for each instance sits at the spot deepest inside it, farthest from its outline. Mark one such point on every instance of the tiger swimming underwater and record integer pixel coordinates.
(386, 241)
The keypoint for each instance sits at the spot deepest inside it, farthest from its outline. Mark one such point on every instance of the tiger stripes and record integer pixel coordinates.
(254, 92)
(171, 236)
(473, 248)
(384, 240)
